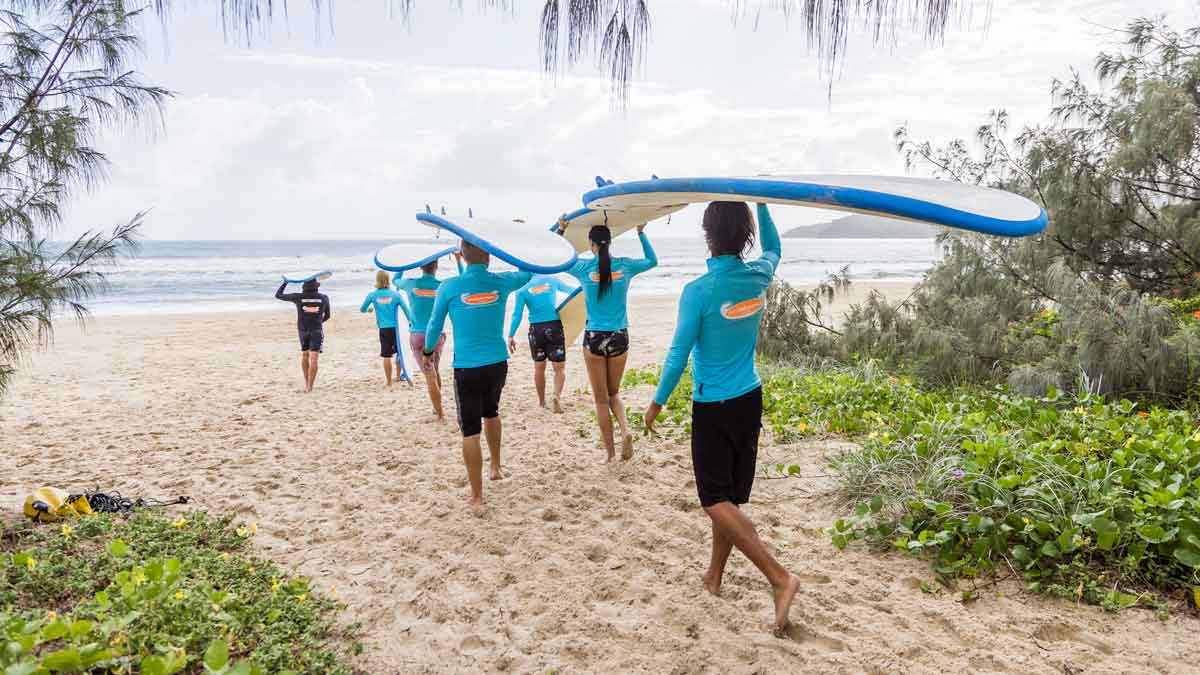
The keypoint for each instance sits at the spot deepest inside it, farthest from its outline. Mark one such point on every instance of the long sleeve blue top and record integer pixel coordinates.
(608, 311)
(540, 295)
(475, 302)
(719, 316)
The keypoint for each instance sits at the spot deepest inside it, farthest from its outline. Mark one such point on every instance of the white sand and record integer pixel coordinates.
(576, 567)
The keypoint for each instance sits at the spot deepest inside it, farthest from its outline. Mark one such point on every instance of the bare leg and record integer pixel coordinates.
(597, 369)
(539, 381)
(312, 369)
(433, 383)
(739, 531)
(473, 458)
(560, 379)
(304, 368)
(616, 370)
(721, 546)
(492, 430)
(387, 370)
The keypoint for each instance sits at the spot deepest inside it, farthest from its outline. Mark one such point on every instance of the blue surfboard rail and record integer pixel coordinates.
(449, 250)
(570, 297)
(833, 196)
(491, 248)
(577, 213)
(317, 275)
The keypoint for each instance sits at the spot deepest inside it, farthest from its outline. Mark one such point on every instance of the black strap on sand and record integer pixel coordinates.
(113, 502)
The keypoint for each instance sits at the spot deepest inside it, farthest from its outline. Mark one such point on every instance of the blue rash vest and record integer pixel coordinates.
(540, 295)
(388, 306)
(719, 315)
(475, 301)
(420, 291)
(607, 312)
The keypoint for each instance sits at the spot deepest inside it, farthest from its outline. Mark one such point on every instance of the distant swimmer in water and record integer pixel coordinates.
(312, 311)
(605, 282)
(387, 306)
(547, 342)
(719, 316)
(421, 292)
(475, 302)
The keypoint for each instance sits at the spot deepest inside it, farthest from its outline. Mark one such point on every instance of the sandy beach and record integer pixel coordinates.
(576, 567)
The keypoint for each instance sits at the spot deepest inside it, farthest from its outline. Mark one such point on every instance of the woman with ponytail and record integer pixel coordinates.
(605, 282)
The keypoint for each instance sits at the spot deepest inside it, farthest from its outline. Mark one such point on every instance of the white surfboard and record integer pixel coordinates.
(940, 202)
(301, 278)
(519, 244)
(410, 255)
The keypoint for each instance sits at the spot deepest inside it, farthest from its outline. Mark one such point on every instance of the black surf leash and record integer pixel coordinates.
(113, 502)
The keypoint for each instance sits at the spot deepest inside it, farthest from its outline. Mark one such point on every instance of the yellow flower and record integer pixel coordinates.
(274, 584)
(67, 530)
(178, 595)
(333, 590)
(1025, 519)
(241, 532)
(253, 528)
(1079, 410)
(301, 597)
(873, 435)
(180, 522)
(30, 562)
(1129, 442)
(802, 427)
(52, 616)
(225, 556)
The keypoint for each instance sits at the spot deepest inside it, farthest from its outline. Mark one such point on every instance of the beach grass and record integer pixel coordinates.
(154, 592)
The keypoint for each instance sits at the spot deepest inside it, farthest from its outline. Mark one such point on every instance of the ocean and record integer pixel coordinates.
(221, 276)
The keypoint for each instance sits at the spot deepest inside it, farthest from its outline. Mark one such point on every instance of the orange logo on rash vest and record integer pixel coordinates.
(384, 301)
(615, 276)
(424, 293)
(538, 290)
(485, 298)
(743, 309)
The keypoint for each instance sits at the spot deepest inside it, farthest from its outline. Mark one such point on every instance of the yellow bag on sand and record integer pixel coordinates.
(48, 505)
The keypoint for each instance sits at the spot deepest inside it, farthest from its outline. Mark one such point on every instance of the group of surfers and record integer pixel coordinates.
(717, 327)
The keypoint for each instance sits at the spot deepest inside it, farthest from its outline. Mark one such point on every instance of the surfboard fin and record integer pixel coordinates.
(443, 210)
(428, 210)
(653, 177)
(470, 213)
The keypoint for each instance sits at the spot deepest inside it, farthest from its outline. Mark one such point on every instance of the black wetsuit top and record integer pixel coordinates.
(312, 309)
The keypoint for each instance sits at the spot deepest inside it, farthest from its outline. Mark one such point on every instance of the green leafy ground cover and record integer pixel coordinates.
(1083, 497)
(155, 594)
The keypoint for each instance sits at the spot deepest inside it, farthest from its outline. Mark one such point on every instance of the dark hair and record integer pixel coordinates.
(310, 286)
(600, 235)
(473, 254)
(429, 267)
(728, 228)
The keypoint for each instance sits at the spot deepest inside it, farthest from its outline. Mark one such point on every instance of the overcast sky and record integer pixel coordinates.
(347, 134)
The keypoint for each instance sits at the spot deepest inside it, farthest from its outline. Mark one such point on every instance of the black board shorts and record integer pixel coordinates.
(547, 341)
(725, 447)
(387, 342)
(607, 343)
(312, 340)
(477, 395)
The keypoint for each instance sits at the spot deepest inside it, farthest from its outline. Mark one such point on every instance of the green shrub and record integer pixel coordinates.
(119, 593)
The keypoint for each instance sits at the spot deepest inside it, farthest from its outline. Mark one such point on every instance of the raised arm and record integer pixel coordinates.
(648, 262)
(687, 330)
(280, 295)
(518, 312)
(768, 235)
(437, 320)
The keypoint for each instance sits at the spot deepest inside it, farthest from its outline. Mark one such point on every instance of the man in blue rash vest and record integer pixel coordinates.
(421, 292)
(605, 282)
(312, 311)
(719, 316)
(547, 341)
(387, 306)
(475, 302)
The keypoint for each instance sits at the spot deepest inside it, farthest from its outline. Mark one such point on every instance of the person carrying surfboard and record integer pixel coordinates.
(605, 281)
(387, 306)
(421, 292)
(547, 341)
(719, 316)
(312, 311)
(475, 302)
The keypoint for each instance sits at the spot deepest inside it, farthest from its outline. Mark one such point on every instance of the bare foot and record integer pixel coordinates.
(783, 596)
(557, 407)
(496, 474)
(627, 447)
(476, 506)
(711, 585)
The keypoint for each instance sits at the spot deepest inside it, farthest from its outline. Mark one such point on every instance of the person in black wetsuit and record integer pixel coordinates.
(312, 311)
